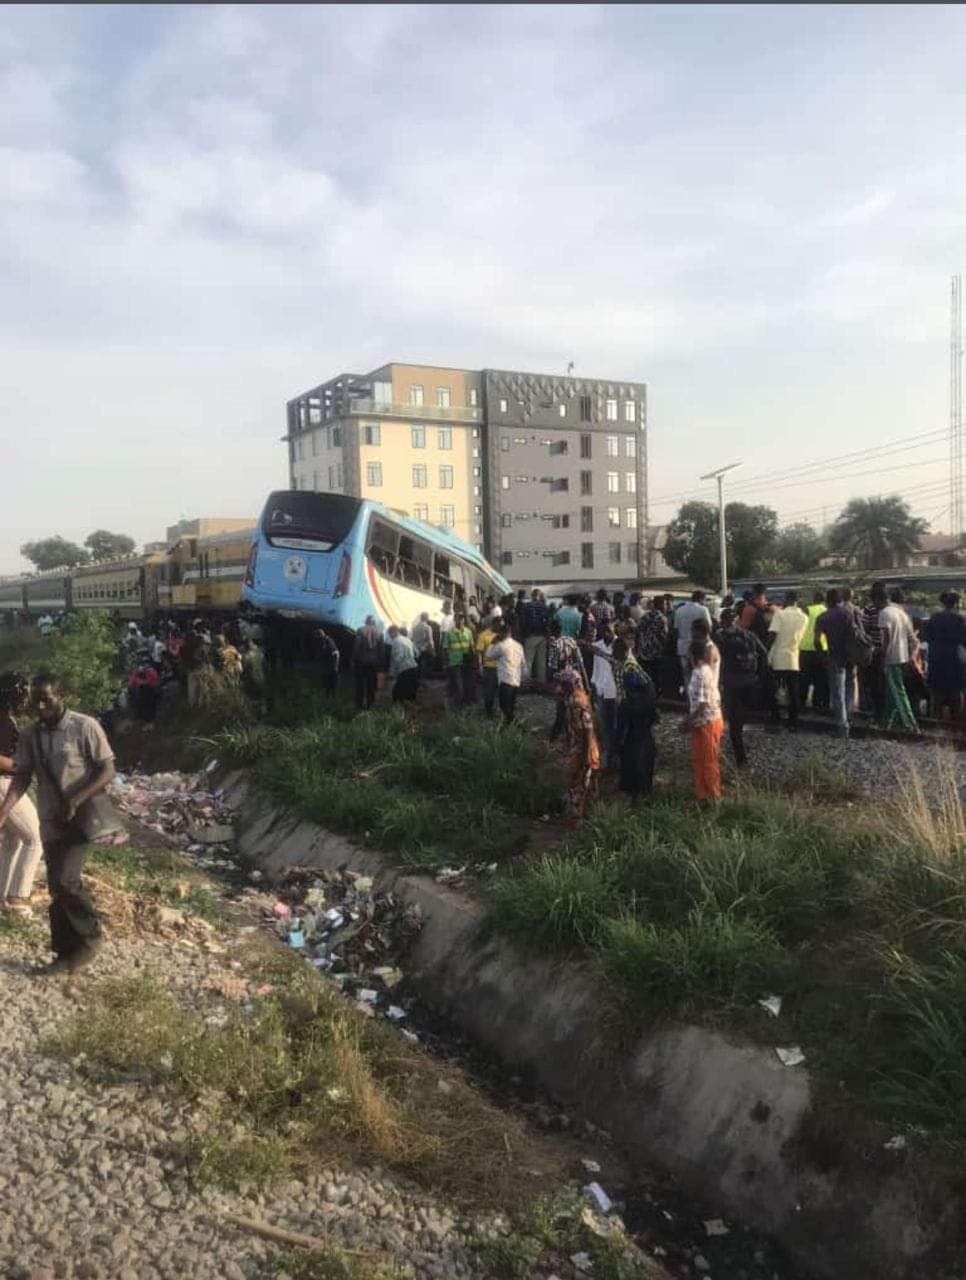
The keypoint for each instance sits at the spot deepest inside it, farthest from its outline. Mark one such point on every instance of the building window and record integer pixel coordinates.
(315, 444)
(419, 477)
(561, 557)
(337, 437)
(586, 446)
(373, 433)
(630, 517)
(444, 437)
(558, 447)
(586, 482)
(474, 397)
(585, 408)
(506, 520)
(504, 482)
(331, 477)
(614, 552)
(447, 517)
(630, 481)
(586, 555)
(339, 476)
(477, 472)
(630, 446)
(421, 512)
(613, 517)
(442, 397)
(613, 482)
(503, 406)
(561, 522)
(611, 410)
(613, 447)
(415, 394)
(632, 553)
(586, 519)
(374, 473)
(562, 410)
(418, 436)
(630, 411)
(560, 485)
(505, 444)
(446, 477)
(507, 557)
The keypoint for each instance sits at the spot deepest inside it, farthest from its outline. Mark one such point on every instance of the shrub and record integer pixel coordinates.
(84, 658)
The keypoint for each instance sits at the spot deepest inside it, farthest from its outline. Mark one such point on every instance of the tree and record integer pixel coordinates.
(692, 539)
(52, 553)
(797, 549)
(877, 531)
(84, 657)
(107, 546)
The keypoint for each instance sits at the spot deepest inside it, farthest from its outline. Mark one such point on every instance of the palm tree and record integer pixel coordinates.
(878, 532)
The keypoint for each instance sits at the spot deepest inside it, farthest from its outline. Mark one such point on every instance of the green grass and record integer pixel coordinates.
(300, 1080)
(446, 792)
(857, 918)
(157, 873)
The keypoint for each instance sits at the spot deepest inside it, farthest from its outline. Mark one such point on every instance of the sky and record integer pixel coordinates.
(206, 210)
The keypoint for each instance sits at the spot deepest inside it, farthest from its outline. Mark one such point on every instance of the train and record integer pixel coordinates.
(193, 575)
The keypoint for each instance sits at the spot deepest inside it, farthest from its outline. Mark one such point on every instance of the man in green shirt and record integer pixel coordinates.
(814, 674)
(457, 645)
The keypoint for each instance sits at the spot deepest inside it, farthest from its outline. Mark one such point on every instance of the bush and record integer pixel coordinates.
(84, 658)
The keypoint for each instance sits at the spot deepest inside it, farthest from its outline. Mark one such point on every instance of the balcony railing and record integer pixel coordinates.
(421, 412)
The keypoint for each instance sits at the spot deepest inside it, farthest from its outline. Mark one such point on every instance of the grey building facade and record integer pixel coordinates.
(566, 477)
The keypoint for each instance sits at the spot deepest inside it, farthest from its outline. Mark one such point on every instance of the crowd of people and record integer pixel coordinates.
(608, 659)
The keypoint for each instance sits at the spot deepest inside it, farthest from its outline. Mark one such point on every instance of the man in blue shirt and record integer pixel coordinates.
(569, 618)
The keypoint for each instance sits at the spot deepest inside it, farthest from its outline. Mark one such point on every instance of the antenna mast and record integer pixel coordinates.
(956, 408)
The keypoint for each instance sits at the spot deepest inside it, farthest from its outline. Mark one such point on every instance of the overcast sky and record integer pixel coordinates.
(204, 211)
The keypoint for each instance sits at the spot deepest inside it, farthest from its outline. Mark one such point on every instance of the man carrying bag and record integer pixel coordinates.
(72, 760)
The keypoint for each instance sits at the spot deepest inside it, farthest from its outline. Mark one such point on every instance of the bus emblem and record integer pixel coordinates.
(295, 567)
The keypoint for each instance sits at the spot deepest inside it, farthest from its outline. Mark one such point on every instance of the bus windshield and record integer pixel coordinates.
(313, 521)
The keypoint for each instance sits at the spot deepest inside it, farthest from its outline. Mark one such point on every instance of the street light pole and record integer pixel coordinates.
(719, 476)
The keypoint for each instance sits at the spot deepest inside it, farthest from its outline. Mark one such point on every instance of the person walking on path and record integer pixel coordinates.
(367, 655)
(20, 845)
(945, 634)
(704, 723)
(838, 625)
(583, 759)
(787, 627)
(510, 662)
(813, 676)
(743, 659)
(638, 750)
(899, 643)
(71, 759)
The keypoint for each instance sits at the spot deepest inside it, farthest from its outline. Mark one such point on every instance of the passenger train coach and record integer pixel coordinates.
(332, 559)
(194, 575)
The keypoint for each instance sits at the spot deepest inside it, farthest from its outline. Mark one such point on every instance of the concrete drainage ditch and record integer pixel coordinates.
(726, 1119)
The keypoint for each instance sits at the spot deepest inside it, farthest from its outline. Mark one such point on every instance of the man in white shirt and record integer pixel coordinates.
(510, 663)
(899, 644)
(684, 617)
(786, 629)
(605, 691)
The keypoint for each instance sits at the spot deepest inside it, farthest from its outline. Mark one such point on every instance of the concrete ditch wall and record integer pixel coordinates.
(734, 1126)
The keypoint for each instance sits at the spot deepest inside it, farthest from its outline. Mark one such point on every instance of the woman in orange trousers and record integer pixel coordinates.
(704, 723)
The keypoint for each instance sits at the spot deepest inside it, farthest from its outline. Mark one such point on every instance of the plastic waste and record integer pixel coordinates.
(600, 1197)
(790, 1057)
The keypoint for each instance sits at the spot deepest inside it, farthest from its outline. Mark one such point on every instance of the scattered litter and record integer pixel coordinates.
(772, 1005)
(598, 1194)
(282, 910)
(791, 1057)
(395, 1014)
(211, 766)
(444, 1086)
(597, 1226)
(582, 1261)
(715, 1227)
(701, 1262)
(368, 995)
(411, 1036)
(366, 1009)
(296, 938)
(590, 1166)
(450, 875)
(898, 1143)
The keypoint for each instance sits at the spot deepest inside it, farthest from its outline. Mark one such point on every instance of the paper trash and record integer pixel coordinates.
(598, 1194)
(583, 1262)
(791, 1057)
(590, 1166)
(715, 1227)
(898, 1143)
(395, 1014)
(772, 1004)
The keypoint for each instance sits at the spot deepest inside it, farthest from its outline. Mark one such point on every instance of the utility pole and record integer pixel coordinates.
(956, 407)
(719, 476)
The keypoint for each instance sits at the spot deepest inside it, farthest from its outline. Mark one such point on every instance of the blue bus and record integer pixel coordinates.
(333, 560)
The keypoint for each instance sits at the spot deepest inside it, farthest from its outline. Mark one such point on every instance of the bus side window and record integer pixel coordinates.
(449, 579)
(382, 548)
(416, 559)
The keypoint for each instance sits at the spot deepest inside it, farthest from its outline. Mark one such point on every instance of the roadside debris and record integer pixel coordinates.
(791, 1057)
(898, 1143)
(599, 1196)
(772, 1005)
(183, 809)
(715, 1227)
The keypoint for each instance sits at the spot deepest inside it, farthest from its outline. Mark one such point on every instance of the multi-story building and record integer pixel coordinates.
(546, 474)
